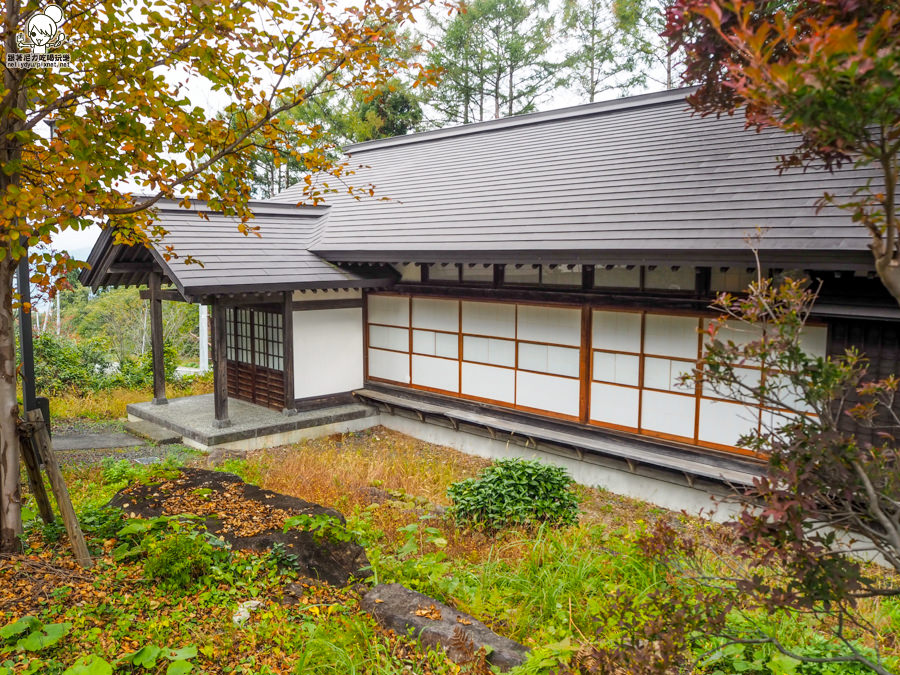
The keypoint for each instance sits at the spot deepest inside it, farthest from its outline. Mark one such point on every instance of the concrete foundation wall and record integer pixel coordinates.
(588, 471)
(288, 437)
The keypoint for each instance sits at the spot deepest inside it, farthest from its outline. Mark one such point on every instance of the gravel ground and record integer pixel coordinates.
(181, 453)
(84, 425)
(145, 454)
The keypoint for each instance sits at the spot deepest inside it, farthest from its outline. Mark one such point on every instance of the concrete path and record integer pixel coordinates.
(84, 440)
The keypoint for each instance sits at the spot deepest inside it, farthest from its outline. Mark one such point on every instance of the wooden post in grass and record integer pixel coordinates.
(41, 440)
(157, 346)
(35, 481)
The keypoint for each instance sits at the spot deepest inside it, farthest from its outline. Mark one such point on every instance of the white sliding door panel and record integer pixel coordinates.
(563, 361)
(389, 365)
(429, 343)
(665, 374)
(489, 350)
(489, 318)
(441, 374)
(446, 345)
(617, 331)
(549, 359)
(617, 368)
(671, 335)
(533, 357)
(557, 325)
(614, 405)
(423, 342)
(724, 423)
(391, 309)
(545, 392)
(668, 413)
(386, 337)
(497, 384)
(747, 379)
(814, 340)
(435, 314)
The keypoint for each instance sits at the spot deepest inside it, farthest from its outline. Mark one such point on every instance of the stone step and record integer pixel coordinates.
(152, 432)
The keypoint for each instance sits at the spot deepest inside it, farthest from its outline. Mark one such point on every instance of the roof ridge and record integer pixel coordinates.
(540, 117)
(259, 207)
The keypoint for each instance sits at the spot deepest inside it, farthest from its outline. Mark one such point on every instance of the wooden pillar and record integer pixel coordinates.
(156, 341)
(288, 351)
(220, 366)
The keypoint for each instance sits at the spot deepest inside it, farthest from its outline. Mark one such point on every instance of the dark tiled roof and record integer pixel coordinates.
(278, 259)
(636, 179)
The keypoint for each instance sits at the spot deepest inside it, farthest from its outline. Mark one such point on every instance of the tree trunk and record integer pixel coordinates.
(10, 496)
(11, 151)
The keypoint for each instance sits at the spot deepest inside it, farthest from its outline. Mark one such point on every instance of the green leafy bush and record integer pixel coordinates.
(137, 371)
(118, 471)
(64, 365)
(61, 364)
(101, 522)
(181, 558)
(516, 492)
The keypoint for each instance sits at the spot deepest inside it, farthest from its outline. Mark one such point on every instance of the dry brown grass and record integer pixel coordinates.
(110, 404)
(340, 471)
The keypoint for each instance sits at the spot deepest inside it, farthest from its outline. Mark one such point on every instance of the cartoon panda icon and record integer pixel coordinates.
(42, 31)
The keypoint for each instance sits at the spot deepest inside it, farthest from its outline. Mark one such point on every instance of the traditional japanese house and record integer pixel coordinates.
(532, 285)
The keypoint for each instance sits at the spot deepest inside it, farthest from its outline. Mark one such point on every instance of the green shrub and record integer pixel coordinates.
(118, 471)
(64, 365)
(137, 371)
(61, 364)
(101, 522)
(179, 559)
(516, 492)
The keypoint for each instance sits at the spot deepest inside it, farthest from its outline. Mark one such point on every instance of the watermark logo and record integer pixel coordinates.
(42, 33)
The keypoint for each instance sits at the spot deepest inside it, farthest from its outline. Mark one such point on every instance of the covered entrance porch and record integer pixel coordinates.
(271, 302)
(252, 426)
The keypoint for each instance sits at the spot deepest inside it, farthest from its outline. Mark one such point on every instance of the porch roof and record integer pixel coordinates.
(229, 262)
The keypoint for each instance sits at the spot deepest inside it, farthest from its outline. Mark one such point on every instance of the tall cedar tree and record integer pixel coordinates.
(827, 70)
(616, 44)
(641, 24)
(391, 108)
(123, 113)
(495, 59)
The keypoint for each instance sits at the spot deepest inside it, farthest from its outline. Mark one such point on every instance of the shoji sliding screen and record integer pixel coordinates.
(622, 371)
(518, 355)
(388, 338)
(548, 341)
(637, 360)
(435, 344)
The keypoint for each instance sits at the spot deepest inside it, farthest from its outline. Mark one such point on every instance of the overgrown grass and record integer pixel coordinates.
(110, 403)
(544, 586)
(547, 587)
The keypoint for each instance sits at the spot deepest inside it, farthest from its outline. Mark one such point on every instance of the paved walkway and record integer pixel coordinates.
(85, 440)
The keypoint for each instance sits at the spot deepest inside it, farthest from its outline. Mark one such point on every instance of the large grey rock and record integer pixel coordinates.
(436, 624)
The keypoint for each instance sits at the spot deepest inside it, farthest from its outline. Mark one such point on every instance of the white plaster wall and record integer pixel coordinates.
(328, 351)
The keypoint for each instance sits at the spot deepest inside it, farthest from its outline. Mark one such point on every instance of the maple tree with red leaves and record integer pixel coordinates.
(125, 123)
(827, 70)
